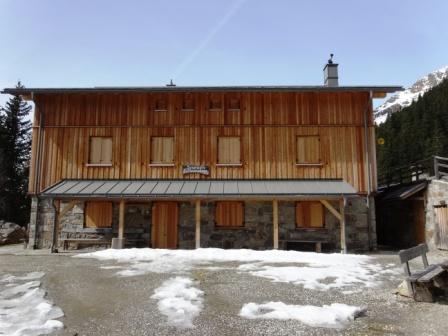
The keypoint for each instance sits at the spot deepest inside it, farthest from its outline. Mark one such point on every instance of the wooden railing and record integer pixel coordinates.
(435, 166)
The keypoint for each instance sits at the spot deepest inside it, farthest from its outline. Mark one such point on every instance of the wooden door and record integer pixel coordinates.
(442, 226)
(165, 216)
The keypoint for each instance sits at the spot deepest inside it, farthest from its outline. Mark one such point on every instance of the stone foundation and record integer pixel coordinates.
(437, 194)
(256, 233)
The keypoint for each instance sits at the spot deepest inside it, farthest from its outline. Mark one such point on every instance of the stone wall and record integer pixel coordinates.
(256, 233)
(437, 193)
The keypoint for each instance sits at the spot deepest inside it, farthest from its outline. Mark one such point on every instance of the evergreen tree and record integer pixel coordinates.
(15, 144)
(416, 132)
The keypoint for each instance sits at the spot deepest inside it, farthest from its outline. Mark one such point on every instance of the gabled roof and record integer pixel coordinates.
(281, 88)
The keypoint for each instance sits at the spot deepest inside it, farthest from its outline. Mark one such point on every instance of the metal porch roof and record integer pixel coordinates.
(196, 188)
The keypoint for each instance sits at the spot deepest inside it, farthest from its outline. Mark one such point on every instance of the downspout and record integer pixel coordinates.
(54, 248)
(37, 167)
(367, 159)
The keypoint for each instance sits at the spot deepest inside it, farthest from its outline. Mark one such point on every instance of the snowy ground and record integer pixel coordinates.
(232, 292)
(180, 301)
(24, 311)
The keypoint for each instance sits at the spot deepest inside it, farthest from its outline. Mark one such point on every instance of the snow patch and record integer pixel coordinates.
(312, 270)
(336, 315)
(24, 309)
(179, 301)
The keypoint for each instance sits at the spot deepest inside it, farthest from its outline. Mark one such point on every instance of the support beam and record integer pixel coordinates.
(198, 223)
(275, 223)
(121, 220)
(342, 204)
(118, 243)
(330, 208)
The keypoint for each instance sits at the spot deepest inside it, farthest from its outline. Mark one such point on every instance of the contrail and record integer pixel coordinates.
(182, 66)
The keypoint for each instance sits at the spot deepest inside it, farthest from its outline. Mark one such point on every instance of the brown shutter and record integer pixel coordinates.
(229, 150)
(162, 150)
(95, 150)
(229, 214)
(106, 150)
(98, 214)
(309, 215)
(308, 149)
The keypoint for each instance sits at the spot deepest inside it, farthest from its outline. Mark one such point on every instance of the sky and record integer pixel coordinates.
(85, 43)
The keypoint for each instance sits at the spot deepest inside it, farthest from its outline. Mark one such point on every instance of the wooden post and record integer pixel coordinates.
(275, 223)
(342, 204)
(198, 223)
(121, 220)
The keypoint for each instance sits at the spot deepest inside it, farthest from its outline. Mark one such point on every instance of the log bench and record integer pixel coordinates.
(84, 241)
(317, 243)
(425, 284)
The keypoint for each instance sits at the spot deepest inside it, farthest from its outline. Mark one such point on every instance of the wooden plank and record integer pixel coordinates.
(121, 218)
(98, 214)
(413, 252)
(275, 223)
(198, 224)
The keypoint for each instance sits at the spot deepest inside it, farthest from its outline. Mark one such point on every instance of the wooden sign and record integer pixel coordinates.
(192, 169)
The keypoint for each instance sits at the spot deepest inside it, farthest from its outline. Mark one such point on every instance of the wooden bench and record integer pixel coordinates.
(424, 285)
(317, 243)
(84, 241)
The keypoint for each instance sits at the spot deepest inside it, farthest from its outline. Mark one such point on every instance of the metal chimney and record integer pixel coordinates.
(331, 77)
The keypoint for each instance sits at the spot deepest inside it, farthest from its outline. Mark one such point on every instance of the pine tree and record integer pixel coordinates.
(15, 144)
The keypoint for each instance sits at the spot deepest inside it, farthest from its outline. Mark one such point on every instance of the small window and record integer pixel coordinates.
(188, 103)
(161, 104)
(229, 214)
(229, 150)
(100, 150)
(310, 215)
(162, 150)
(308, 150)
(233, 104)
(215, 102)
(98, 215)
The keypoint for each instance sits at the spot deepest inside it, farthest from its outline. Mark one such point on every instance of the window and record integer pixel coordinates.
(100, 150)
(188, 102)
(233, 104)
(98, 215)
(308, 150)
(162, 150)
(215, 102)
(229, 214)
(161, 104)
(229, 150)
(310, 215)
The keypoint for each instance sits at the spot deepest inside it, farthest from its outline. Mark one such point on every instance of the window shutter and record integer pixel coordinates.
(229, 150)
(309, 215)
(162, 150)
(308, 149)
(229, 214)
(95, 150)
(98, 214)
(106, 150)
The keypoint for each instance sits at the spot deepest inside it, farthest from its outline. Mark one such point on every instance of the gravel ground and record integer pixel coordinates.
(97, 302)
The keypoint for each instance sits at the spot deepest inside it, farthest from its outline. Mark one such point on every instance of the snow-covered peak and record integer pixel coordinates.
(406, 97)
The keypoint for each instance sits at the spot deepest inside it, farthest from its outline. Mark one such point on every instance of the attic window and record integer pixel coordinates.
(188, 103)
(215, 103)
(234, 104)
(161, 104)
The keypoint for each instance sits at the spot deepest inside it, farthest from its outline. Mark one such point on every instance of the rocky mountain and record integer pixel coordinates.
(406, 97)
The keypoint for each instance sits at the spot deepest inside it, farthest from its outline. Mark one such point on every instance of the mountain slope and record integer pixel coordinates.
(406, 97)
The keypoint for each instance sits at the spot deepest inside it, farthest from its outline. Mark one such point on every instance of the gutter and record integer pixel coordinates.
(368, 171)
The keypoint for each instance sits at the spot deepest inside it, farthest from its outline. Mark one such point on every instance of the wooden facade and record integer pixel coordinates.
(268, 125)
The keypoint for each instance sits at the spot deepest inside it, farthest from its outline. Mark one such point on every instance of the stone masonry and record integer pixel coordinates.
(437, 194)
(256, 233)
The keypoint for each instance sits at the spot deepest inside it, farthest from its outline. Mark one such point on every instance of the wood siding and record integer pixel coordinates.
(268, 125)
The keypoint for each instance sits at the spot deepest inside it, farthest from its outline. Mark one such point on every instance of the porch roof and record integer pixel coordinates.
(184, 189)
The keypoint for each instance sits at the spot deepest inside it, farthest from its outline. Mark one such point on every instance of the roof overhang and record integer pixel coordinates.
(377, 91)
(198, 189)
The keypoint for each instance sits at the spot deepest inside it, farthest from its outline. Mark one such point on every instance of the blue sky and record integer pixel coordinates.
(64, 43)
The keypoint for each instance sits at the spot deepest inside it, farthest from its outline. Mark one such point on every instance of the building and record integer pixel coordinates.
(182, 167)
